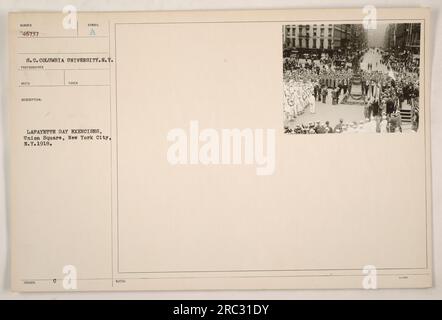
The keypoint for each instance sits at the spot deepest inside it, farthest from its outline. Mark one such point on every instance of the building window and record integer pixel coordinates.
(321, 44)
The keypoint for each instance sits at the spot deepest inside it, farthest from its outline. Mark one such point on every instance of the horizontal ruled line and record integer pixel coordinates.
(62, 53)
(61, 37)
(62, 85)
(85, 69)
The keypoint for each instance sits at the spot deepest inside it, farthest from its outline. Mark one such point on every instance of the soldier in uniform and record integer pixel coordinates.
(324, 93)
(317, 91)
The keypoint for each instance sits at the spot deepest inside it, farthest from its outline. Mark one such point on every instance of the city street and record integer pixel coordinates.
(379, 67)
(348, 112)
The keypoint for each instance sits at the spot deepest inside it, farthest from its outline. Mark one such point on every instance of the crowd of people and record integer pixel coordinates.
(382, 93)
(401, 62)
(384, 124)
(306, 77)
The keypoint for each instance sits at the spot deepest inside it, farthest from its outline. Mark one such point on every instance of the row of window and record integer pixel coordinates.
(292, 30)
(307, 44)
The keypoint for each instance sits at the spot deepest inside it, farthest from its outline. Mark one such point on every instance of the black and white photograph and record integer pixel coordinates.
(346, 78)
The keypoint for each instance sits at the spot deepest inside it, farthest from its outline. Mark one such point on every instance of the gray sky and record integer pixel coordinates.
(376, 36)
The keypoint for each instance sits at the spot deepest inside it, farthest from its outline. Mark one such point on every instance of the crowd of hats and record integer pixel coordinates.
(391, 123)
(401, 62)
(317, 73)
(319, 127)
(401, 82)
(297, 97)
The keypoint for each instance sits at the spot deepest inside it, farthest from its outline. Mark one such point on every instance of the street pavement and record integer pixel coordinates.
(328, 112)
(375, 58)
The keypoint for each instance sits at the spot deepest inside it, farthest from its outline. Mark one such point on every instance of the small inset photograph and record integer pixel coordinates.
(344, 78)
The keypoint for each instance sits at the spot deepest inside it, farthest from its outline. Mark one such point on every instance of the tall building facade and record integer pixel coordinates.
(322, 36)
(403, 37)
(309, 36)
